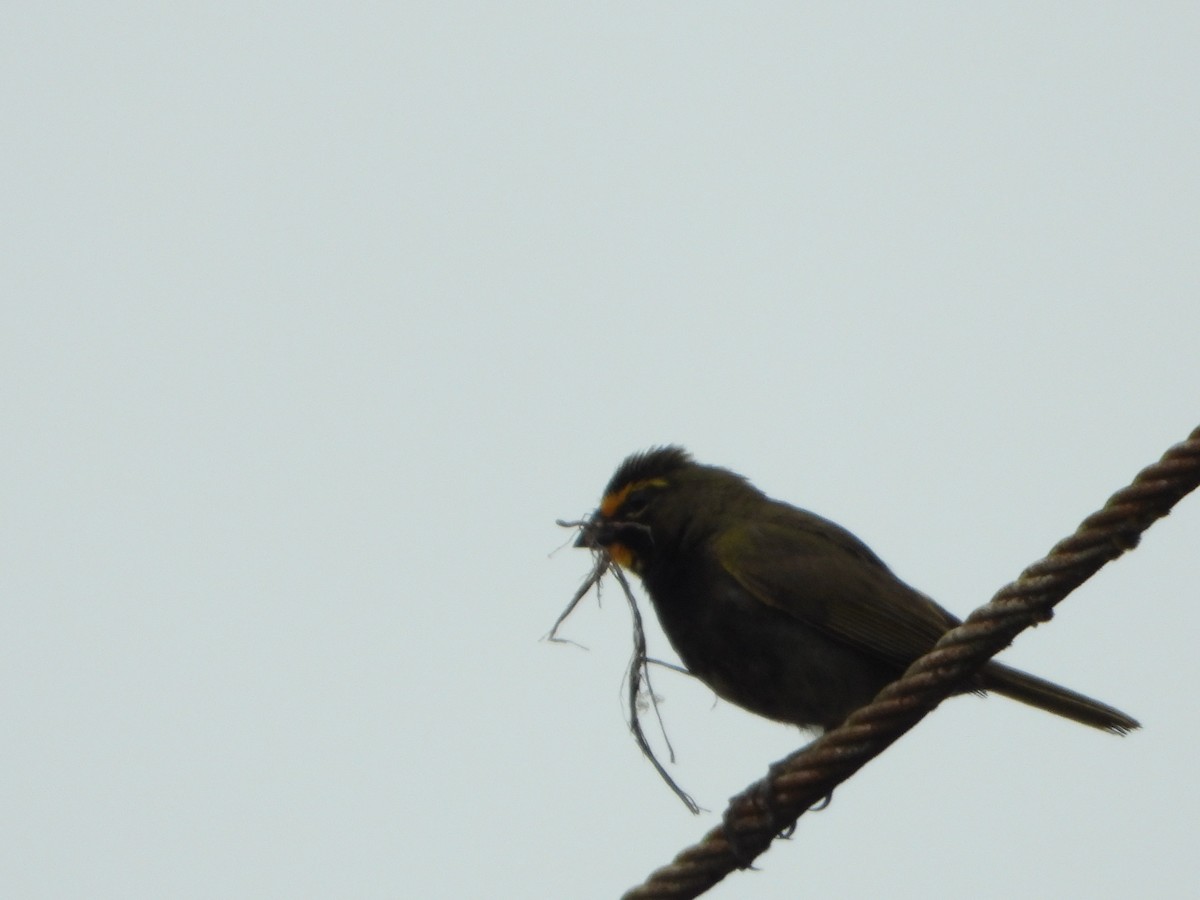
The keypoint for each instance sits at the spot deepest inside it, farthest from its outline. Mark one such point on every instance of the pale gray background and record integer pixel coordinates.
(317, 315)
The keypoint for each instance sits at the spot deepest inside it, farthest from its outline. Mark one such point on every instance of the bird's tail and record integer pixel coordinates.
(1058, 700)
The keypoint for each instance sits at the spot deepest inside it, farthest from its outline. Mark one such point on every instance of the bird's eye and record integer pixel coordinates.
(635, 504)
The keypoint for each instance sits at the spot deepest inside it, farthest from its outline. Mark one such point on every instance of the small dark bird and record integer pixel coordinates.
(779, 610)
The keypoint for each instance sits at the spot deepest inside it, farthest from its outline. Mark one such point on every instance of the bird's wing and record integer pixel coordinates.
(821, 574)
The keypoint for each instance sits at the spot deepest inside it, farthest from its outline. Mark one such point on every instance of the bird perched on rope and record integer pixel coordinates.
(778, 610)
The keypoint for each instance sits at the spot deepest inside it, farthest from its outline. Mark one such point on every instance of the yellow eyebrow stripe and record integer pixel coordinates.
(612, 502)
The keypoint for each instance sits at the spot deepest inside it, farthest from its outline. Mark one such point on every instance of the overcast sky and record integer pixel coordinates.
(317, 316)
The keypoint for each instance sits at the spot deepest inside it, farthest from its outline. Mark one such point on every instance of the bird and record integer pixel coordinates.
(778, 610)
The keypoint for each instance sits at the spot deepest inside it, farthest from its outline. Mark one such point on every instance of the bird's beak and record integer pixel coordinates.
(596, 533)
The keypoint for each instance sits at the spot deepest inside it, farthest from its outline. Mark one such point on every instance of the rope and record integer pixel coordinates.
(803, 779)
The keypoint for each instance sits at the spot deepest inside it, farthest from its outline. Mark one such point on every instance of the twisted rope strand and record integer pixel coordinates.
(803, 778)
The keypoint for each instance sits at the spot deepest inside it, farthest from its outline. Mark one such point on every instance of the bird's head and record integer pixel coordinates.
(660, 504)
